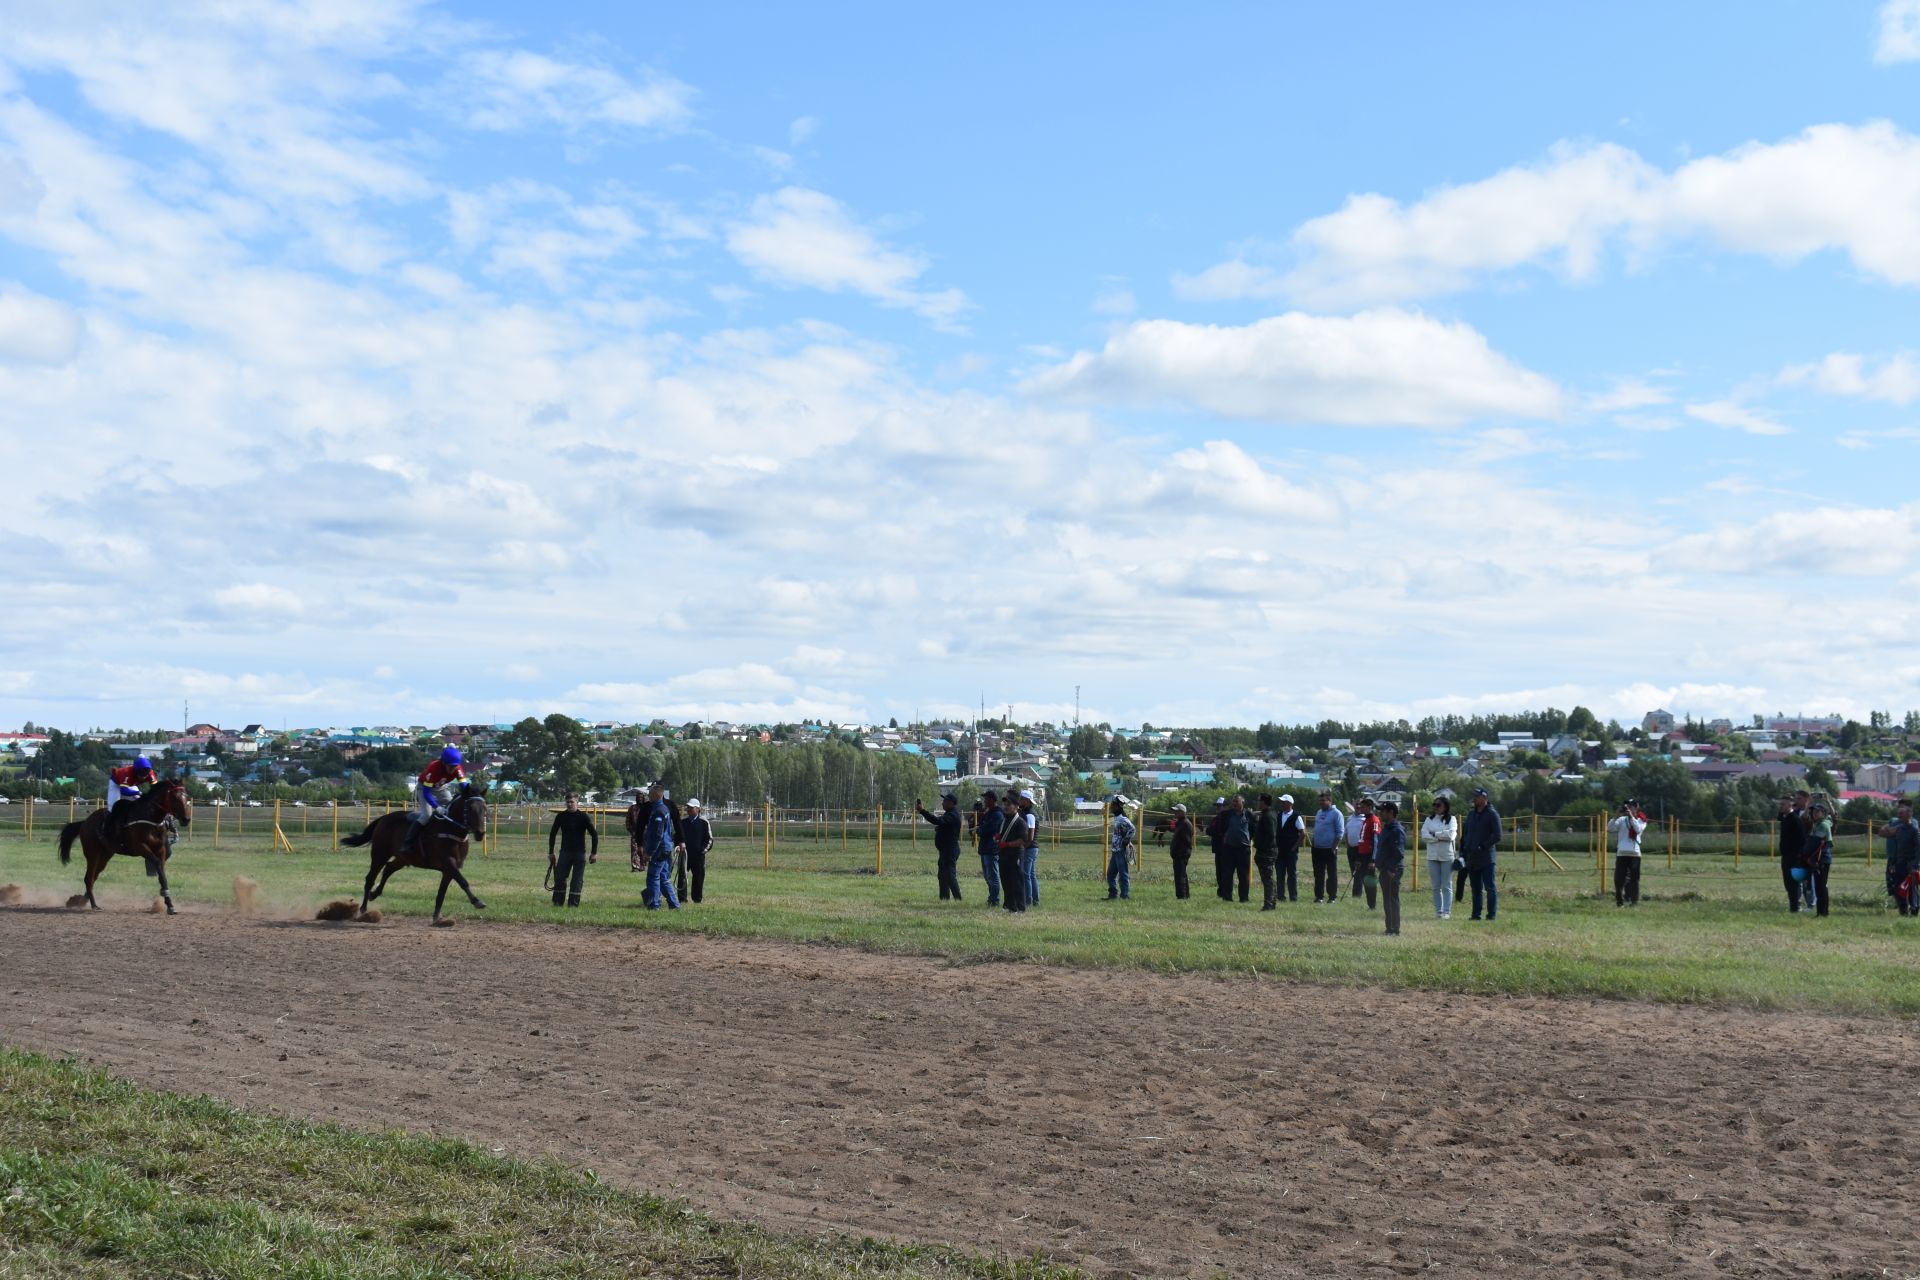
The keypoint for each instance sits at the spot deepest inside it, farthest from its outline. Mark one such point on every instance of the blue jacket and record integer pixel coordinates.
(1328, 827)
(1480, 835)
(1390, 847)
(989, 830)
(658, 840)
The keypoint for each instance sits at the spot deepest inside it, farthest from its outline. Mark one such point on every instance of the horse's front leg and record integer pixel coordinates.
(464, 887)
(165, 896)
(440, 900)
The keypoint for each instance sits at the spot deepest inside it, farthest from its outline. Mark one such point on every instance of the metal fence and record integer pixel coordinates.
(881, 841)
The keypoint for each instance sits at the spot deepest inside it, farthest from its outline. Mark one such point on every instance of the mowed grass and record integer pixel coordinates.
(99, 1178)
(1704, 933)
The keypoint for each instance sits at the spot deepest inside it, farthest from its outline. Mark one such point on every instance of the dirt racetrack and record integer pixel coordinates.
(1138, 1124)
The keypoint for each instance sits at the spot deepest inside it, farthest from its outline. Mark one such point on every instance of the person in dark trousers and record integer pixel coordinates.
(987, 829)
(1793, 838)
(1903, 859)
(1286, 850)
(1180, 846)
(1233, 864)
(1266, 840)
(1816, 855)
(696, 837)
(1390, 861)
(1217, 828)
(946, 843)
(572, 829)
(1029, 820)
(1627, 830)
(1328, 830)
(1362, 825)
(1011, 844)
(1120, 841)
(1480, 836)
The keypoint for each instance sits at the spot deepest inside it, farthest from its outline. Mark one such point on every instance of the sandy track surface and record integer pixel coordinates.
(1137, 1124)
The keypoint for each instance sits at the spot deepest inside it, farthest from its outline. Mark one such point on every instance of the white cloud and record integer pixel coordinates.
(258, 600)
(1899, 32)
(1852, 189)
(1115, 302)
(807, 239)
(1821, 541)
(1628, 394)
(516, 89)
(1383, 367)
(34, 329)
(801, 129)
(1896, 380)
(1734, 415)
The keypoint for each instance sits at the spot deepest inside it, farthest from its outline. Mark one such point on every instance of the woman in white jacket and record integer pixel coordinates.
(1439, 833)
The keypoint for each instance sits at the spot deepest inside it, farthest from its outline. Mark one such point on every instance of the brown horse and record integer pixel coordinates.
(144, 828)
(442, 846)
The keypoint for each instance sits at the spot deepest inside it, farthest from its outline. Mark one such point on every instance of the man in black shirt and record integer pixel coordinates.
(572, 829)
(696, 837)
(946, 843)
(1793, 837)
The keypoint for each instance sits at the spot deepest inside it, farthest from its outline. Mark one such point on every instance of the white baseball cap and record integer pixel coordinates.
(693, 804)
(1026, 795)
(1219, 799)
(1286, 799)
(1179, 808)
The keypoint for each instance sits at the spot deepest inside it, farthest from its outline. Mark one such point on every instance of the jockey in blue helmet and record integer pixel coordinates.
(435, 788)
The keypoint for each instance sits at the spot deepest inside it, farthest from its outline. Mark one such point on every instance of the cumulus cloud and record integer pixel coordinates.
(1850, 189)
(1899, 32)
(1894, 380)
(1382, 367)
(1823, 541)
(36, 329)
(807, 239)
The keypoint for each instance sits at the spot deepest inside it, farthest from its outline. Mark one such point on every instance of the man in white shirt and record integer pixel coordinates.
(1627, 829)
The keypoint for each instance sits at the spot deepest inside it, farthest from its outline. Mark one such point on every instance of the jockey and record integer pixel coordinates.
(124, 784)
(435, 789)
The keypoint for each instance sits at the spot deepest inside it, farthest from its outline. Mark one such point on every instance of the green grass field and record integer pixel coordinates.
(1705, 933)
(102, 1179)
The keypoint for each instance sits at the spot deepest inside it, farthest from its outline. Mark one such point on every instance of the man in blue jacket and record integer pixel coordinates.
(1329, 828)
(987, 828)
(656, 839)
(1480, 837)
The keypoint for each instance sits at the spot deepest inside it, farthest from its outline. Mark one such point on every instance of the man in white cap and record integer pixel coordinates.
(696, 837)
(1030, 861)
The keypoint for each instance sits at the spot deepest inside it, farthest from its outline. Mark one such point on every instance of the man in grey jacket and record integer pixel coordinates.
(1234, 862)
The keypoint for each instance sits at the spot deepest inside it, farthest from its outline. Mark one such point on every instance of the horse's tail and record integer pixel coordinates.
(364, 837)
(68, 834)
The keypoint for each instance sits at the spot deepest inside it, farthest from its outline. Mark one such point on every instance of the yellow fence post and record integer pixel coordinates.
(766, 840)
(69, 808)
(336, 826)
(1413, 863)
(1867, 835)
(1106, 843)
(879, 839)
(216, 824)
(30, 800)
(1736, 842)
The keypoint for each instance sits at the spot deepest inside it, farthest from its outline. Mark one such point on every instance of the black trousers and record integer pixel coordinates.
(1013, 881)
(569, 877)
(1390, 899)
(1181, 889)
(1793, 886)
(1286, 867)
(1816, 883)
(693, 867)
(1233, 867)
(1326, 874)
(1460, 884)
(1626, 880)
(949, 876)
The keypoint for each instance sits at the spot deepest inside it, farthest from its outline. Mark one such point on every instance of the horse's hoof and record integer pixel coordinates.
(171, 911)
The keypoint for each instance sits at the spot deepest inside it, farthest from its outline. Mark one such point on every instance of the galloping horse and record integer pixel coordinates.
(442, 846)
(145, 830)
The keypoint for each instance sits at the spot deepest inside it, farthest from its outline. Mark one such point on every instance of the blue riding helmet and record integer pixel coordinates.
(450, 756)
(141, 762)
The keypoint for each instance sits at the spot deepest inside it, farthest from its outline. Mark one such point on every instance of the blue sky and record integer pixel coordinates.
(377, 360)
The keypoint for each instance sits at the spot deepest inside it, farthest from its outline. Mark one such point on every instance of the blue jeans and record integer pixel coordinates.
(1441, 875)
(660, 882)
(1118, 881)
(1029, 861)
(990, 872)
(1481, 878)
